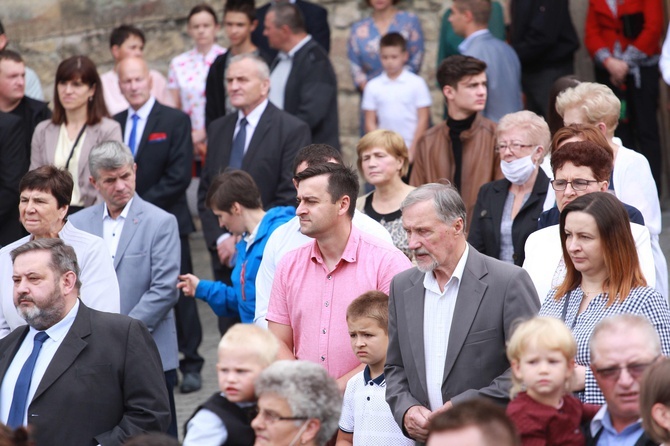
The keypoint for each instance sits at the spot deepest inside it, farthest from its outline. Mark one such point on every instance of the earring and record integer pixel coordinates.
(90, 99)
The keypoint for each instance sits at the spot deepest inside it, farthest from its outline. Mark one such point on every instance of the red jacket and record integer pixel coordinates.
(603, 29)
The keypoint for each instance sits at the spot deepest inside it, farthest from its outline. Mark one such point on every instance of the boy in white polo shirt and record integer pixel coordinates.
(366, 416)
(397, 99)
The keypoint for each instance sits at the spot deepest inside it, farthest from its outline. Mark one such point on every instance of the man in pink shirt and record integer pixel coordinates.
(315, 283)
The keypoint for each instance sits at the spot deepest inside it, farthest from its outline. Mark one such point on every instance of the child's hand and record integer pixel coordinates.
(188, 284)
(578, 380)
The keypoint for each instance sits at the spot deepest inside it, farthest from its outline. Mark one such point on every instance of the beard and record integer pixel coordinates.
(425, 267)
(46, 314)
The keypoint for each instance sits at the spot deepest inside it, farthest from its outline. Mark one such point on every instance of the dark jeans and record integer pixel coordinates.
(189, 330)
(537, 84)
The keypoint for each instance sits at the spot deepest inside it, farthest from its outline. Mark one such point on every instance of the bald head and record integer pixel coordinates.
(135, 81)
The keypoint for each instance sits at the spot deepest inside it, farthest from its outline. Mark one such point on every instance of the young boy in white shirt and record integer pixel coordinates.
(366, 418)
(397, 99)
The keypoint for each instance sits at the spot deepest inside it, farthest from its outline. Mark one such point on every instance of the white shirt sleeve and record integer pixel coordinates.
(368, 102)
(205, 429)
(423, 98)
(347, 418)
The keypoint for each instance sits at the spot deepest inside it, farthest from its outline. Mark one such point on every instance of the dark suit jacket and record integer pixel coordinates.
(31, 112)
(104, 384)
(552, 216)
(13, 164)
(164, 159)
(311, 93)
(215, 91)
(268, 159)
(484, 233)
(492, 296)
(316, 24)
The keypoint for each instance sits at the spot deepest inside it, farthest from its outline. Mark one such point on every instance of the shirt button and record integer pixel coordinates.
(329, 277)
(368, 398)
(323, 331)
(326, 304)
(323, 358)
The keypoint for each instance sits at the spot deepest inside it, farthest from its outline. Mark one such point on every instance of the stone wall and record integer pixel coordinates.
(46, 31)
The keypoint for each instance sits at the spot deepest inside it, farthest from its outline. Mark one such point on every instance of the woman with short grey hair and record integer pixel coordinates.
(298, 403)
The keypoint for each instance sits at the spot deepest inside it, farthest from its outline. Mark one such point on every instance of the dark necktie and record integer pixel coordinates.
(17, 411)
(132, 139)
(239, 141)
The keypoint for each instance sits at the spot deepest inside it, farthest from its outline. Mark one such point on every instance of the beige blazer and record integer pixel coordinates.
(43, 150)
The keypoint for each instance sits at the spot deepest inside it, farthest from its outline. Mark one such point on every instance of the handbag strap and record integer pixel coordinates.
(76, 141)
(566, 302)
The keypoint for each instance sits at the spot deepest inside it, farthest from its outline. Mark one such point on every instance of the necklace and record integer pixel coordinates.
(589, 294)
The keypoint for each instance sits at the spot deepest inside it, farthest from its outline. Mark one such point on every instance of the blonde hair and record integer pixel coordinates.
(390, 141)
(533, 125)
(543, 332)
(597, 102)
(254, 339)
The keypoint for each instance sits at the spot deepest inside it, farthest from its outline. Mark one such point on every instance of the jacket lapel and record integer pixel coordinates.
(70, 348)
(10, 350)
(152, 120)
(129, 229)
(470, 294)
(414, 308)
(501, 190)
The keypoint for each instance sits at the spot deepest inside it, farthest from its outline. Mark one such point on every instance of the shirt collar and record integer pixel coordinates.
(144, 110)
(254, 115)
(208, 58)
(367, 377)
(350, 250)
(298, 46)
(402, 77)
(123, 214)
(602, 421)
(463, 46)
(60, 329)
(430, 283)
(251, 236)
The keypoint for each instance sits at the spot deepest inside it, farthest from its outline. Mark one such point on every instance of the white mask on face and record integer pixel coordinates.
(518, 171)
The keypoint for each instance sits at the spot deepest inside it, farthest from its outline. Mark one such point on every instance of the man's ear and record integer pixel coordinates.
(91, 180)
(345, 202)
(115, 52)
(69, 280)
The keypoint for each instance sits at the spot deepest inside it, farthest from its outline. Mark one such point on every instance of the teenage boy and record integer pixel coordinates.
(225, 418)
(460, 149)
(128, 41)
(239, 21)
(366, 418)
(397, 99)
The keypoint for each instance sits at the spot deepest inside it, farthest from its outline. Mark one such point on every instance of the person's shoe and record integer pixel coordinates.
(191, 382)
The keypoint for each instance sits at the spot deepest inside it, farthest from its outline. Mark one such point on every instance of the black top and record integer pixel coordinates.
(552, 217)
(236, 419)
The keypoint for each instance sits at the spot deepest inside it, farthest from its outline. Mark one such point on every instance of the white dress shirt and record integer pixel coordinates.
(113, 227)
(281, 72)
(143, 113)
(56, 335)
(437, 316)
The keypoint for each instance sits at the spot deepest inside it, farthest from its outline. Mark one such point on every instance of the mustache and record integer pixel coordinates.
(420, 252)
(24, 298)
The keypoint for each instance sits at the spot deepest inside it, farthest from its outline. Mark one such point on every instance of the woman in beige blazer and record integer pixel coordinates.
(80, 121)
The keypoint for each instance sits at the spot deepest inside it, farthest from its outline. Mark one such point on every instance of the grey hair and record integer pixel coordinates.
(308, 390)
(625, 322)
(63, 257)
(533, 125)
(109, 155)
(447, 201)
(261, 65)
(287, 14)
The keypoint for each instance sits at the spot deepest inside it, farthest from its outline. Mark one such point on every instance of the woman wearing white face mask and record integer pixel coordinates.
(298, 404)
(506, 211)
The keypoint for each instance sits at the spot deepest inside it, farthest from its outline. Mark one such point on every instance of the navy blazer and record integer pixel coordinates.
(164, 160)
(484, 233)
(552, 217)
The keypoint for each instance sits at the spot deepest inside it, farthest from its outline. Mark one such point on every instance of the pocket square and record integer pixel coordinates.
(156, 137)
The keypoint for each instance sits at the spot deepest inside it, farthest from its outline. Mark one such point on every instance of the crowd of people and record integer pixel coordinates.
(499, 281)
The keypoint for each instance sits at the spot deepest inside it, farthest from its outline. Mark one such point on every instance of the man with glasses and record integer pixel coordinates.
(622, 347)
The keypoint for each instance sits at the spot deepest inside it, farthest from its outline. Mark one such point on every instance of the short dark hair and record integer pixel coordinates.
(489, 419)
(393, 40)
(245, 7)
(316, 154)
(63, 257)
(7, 54)
(372, 304)
(287, 14)
(233, 186)
(121, 33)
(202, 7)
(584, 153)
(342, 181)
(480, 9)
(80, 68)
(52, 180)
(456, 67)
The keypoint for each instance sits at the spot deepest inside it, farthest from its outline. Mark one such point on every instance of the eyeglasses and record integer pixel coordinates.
(513, 146)
(634, 370)
(578, 184)
(271, 417)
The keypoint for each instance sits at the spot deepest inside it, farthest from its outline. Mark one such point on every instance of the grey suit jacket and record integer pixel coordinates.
(147, 265)
(103, 385)
(45, 140)
(491, 297)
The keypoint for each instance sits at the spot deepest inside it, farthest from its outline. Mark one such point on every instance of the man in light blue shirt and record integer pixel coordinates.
(622, 347)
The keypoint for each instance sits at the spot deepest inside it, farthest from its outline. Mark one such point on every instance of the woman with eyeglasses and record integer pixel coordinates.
(580, 168)
(298, 404)
(506, 210)
(602, 278)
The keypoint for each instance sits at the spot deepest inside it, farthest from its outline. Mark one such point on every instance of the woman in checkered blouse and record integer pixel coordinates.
(603, 278)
